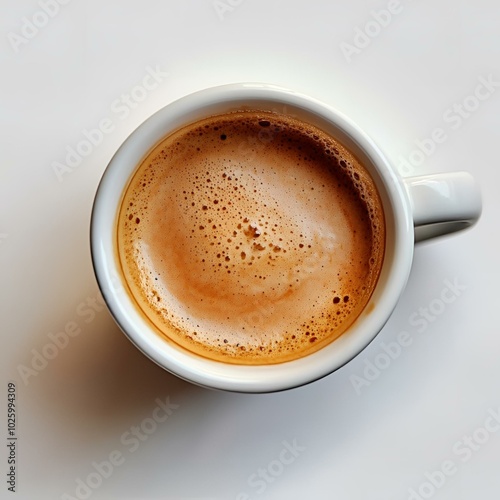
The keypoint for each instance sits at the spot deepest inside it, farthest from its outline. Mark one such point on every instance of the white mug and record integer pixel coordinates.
(415, 208)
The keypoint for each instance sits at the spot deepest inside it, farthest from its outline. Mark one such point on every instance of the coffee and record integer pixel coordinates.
(251, 237)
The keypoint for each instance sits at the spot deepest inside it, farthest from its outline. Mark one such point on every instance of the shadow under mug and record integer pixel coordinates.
(415, 208)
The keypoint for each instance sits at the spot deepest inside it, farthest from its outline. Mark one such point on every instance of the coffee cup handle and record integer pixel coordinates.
(443, 203)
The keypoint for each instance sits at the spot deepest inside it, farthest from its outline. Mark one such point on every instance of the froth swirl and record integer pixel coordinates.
(251, 237)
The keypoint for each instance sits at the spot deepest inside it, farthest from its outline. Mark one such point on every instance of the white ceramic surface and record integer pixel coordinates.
(354, 437)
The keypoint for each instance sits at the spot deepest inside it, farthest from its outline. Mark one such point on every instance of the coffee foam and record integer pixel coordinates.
(251, 237)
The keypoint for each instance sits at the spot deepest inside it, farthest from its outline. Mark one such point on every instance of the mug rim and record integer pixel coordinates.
(227, 376)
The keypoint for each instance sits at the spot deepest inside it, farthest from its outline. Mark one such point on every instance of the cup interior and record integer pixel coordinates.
(248, 378)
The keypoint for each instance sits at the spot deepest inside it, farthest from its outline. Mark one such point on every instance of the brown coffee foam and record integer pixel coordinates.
(251, 237)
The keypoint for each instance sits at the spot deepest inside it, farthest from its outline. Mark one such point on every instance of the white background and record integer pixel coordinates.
(376, 443)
